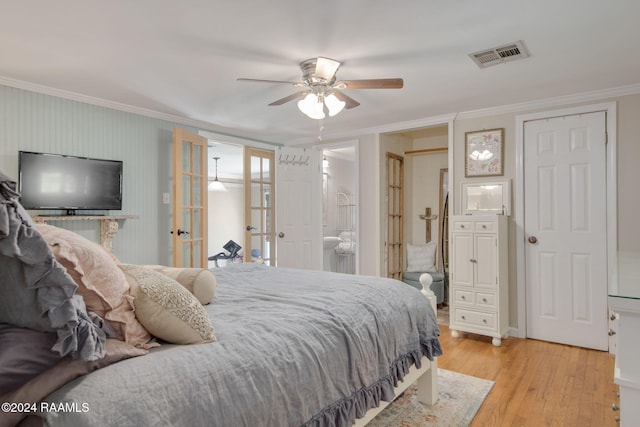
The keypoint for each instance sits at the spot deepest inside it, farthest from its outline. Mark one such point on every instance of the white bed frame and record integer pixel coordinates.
(427, 377)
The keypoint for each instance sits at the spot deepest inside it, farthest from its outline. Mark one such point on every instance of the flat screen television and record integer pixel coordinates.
(61, 182)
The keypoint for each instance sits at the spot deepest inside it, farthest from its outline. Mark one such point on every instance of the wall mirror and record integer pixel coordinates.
(481, 198)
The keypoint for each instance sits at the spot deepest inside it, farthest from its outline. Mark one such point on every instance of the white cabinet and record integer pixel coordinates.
(478, 285)
(624, 299)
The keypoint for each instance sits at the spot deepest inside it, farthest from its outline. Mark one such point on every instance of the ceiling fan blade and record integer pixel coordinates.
(326, 68)
(370, 84)
(349, 102)
(242, 79)
(290, 98)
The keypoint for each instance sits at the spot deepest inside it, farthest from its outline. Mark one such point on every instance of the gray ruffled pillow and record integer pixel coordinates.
(35, 290)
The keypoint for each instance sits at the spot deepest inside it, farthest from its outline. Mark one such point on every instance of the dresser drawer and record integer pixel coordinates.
(485, 226)
(462, 226)
(486, 300)
(462, 296)
(475, 318)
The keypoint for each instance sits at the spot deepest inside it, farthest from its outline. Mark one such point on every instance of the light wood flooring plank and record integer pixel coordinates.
(537, 383)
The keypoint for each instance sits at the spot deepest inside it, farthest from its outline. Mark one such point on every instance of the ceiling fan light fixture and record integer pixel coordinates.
(334, 105)
(312, 106)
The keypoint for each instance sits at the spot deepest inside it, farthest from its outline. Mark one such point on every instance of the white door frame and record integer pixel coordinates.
(611, 185)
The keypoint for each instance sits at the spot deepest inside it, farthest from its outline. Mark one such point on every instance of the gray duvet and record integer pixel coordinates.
(294, 348)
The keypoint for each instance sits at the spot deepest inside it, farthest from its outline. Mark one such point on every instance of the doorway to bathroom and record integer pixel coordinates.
(340, 207)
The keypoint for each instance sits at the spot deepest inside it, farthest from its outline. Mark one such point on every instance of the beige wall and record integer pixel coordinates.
(628, 173)
(425, 180)
(372, 182)
(369, 239)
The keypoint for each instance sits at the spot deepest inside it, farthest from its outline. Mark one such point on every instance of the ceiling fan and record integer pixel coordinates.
(320, 91)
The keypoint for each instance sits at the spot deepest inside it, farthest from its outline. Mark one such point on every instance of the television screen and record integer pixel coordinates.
(53, 181)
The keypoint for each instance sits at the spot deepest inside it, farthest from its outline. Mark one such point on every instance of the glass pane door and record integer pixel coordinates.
(190, 199)
(259, 205)
(395, 216)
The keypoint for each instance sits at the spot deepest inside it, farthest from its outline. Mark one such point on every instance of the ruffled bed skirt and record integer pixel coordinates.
(344, 412)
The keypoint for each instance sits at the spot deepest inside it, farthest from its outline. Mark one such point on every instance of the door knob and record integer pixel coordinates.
(249, 228)
(533, 239)
(281, 234)
(181, 232)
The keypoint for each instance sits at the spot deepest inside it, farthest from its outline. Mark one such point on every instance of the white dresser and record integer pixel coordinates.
(478, 266)
(624, 300)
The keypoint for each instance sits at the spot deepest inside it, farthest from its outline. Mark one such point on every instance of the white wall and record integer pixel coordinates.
(226, 218)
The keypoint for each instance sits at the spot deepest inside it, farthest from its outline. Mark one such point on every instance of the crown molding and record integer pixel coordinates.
(393, 127)
(99, 102)
(390, 128)
(547, 103)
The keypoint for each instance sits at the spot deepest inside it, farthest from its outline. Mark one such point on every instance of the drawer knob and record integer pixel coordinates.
(484, 300)
(461, 225)
(611, 332)
(464, 318)
(463, 297)
(473, 260)
(484, 320)
(484, 226)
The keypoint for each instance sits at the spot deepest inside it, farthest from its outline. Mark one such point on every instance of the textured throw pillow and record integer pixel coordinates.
(166, 308)
(100, 282)
(199, 281)
(35, 290)
(421, 257)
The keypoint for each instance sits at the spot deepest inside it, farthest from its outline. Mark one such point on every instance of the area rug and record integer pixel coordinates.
(443, 315)
(459, 398)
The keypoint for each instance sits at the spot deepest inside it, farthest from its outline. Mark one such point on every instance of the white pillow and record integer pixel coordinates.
(421, 257)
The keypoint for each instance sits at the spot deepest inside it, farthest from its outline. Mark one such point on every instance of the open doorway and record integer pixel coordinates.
(339, 211)
(226, 203)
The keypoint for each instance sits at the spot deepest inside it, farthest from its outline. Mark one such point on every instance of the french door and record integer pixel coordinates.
(189, 199)
(259, 204)
(395, 216)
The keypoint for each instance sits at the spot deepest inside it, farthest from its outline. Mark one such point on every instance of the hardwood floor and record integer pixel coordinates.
(536, 383)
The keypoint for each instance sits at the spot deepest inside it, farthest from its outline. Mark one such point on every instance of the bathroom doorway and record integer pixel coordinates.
(340, 207)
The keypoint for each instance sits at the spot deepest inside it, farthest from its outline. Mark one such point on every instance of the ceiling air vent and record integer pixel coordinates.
(500, 55)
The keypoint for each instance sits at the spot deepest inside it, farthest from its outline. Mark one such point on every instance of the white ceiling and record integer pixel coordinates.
(183, 58)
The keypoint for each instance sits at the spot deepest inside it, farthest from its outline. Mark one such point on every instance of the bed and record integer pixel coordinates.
(291, 348)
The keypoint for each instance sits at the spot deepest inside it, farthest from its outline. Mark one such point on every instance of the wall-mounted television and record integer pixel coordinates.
(60, 182)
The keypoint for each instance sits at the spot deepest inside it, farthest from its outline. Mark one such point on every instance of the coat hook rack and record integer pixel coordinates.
(294, 160)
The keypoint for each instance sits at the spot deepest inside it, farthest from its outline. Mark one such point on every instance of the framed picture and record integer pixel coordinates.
(484, 150)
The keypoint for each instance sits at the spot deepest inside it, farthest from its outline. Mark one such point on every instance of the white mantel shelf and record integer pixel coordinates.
(108, 224)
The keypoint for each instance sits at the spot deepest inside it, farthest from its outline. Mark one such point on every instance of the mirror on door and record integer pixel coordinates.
(339, 209)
